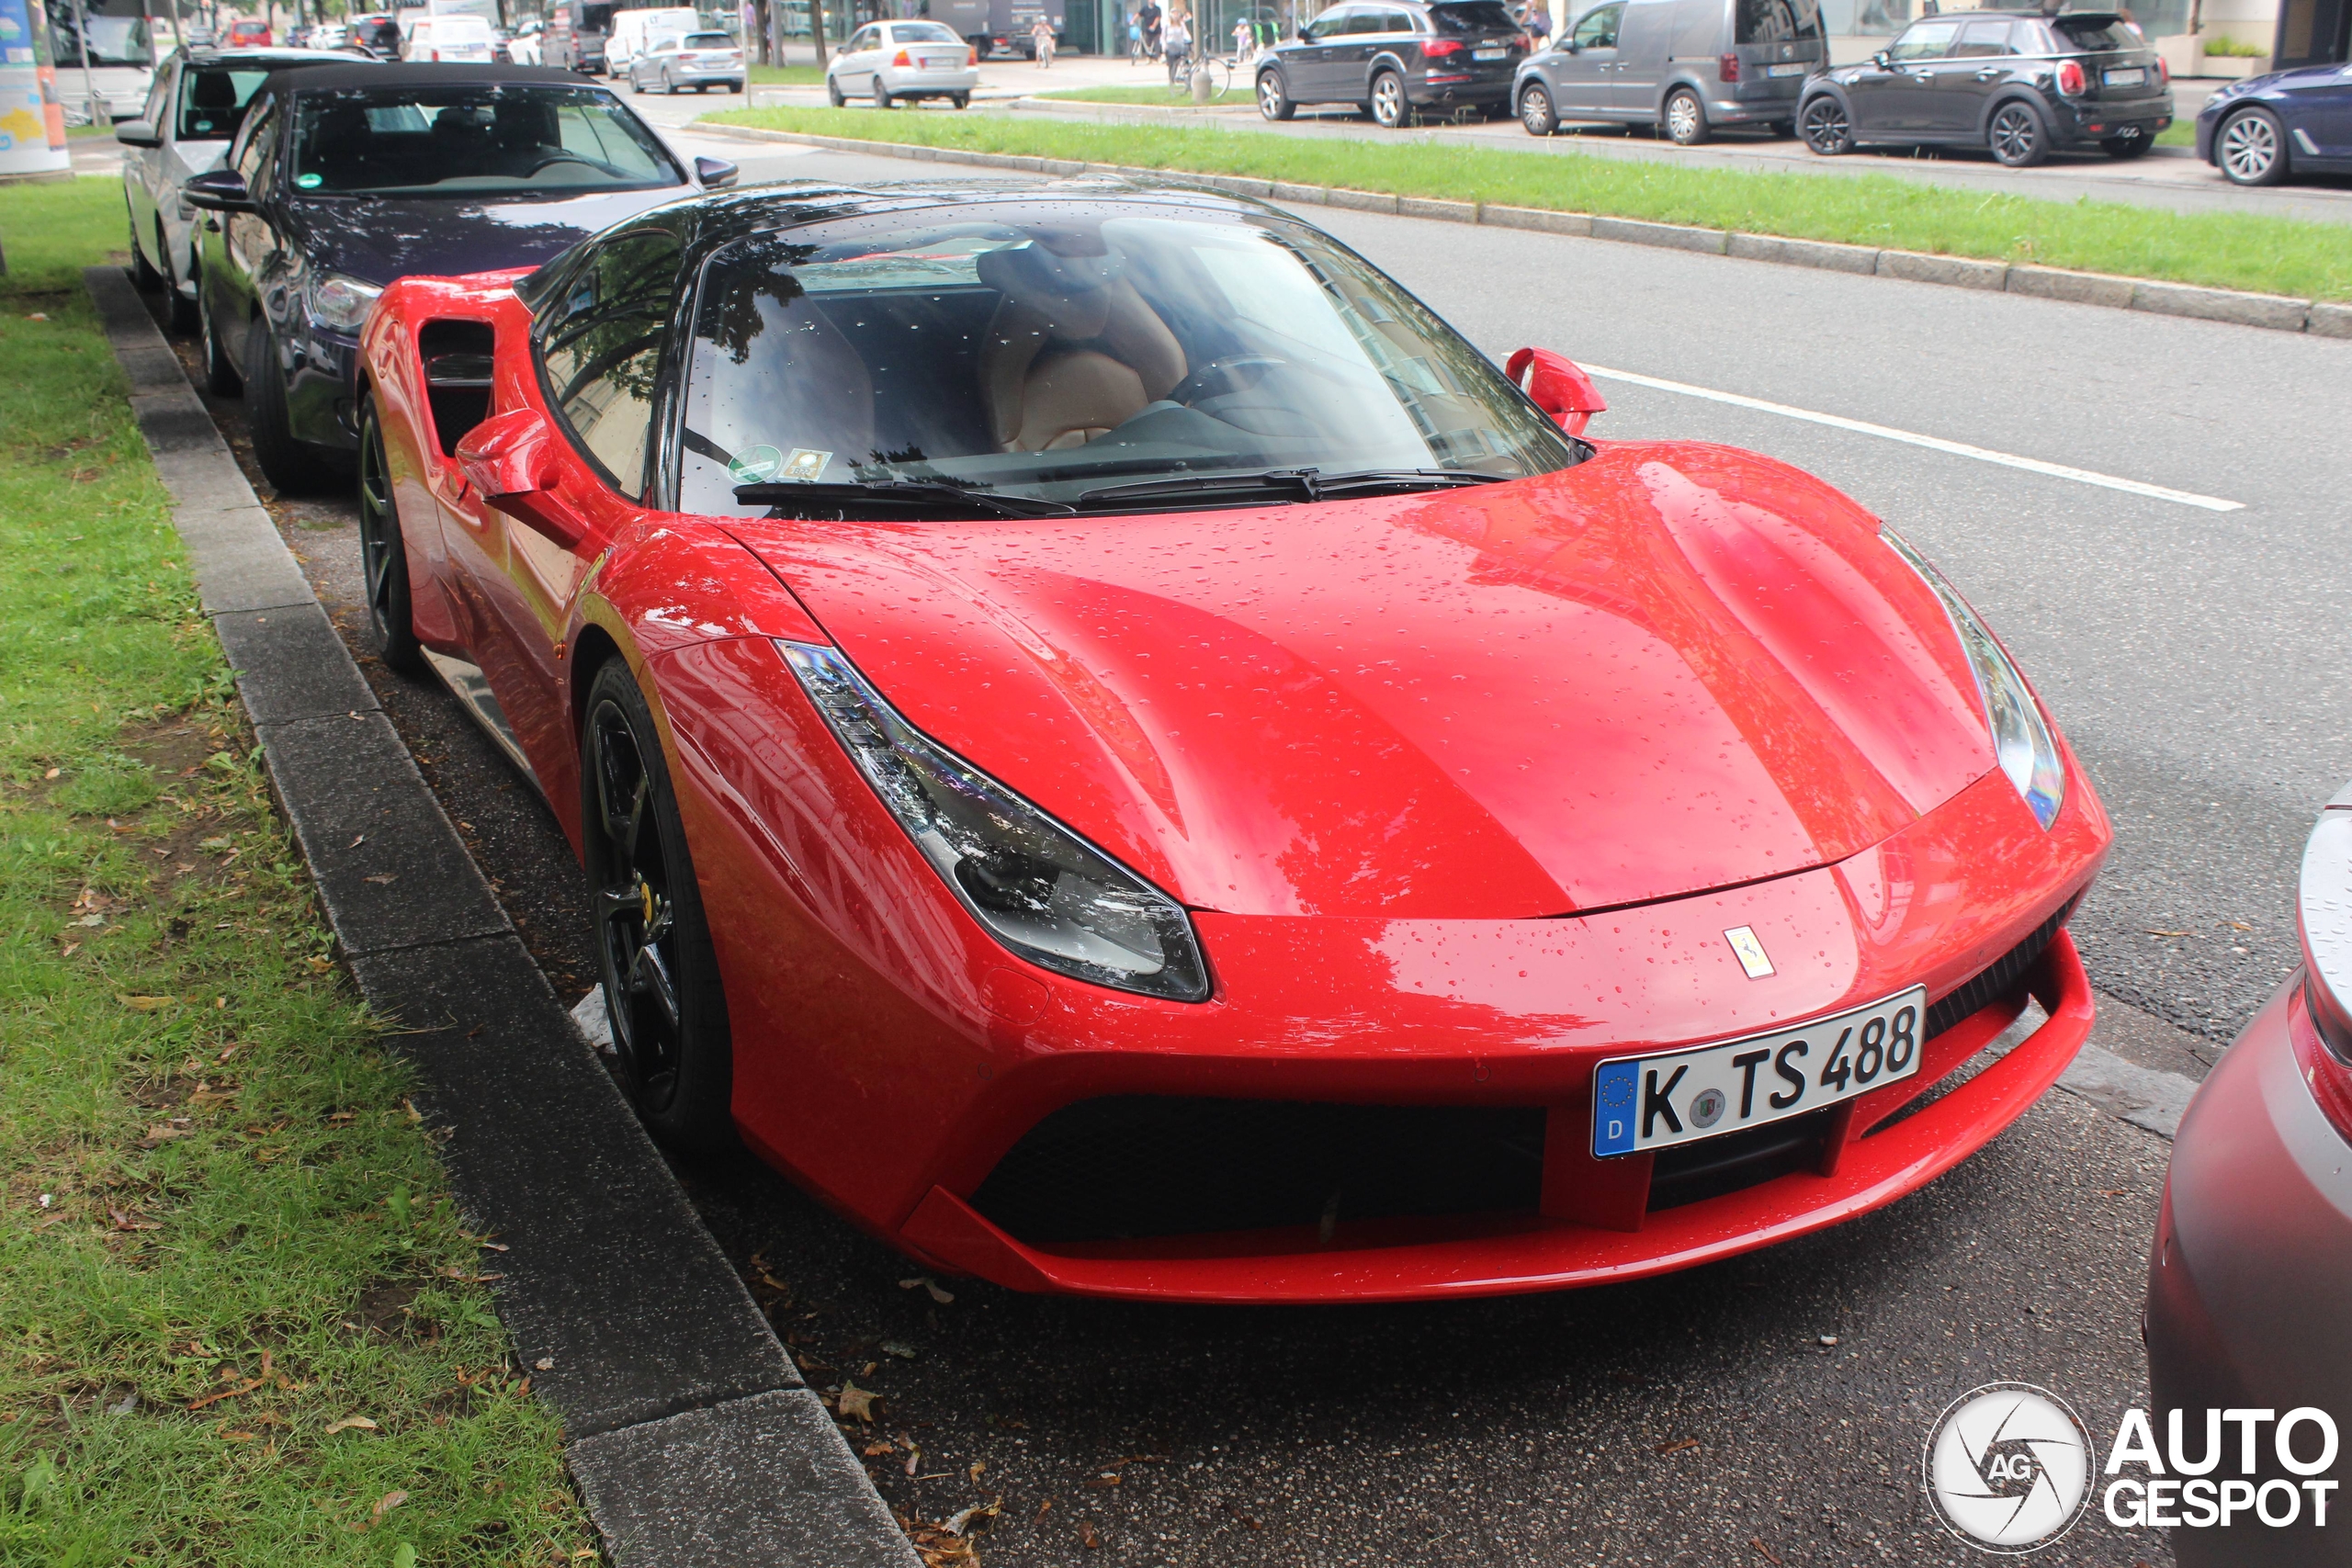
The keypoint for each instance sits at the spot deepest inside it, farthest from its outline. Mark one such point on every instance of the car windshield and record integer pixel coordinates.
(707, 41)
(472, 139)
(1047, 351)
(1463, 17)
(923, 32)
(213, 98)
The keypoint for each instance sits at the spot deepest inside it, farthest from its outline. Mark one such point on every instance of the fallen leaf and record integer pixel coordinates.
(859, 1401)
(162, 1130)
(143, 1004)
(230, 1392)
(1765, 1552)
(975, 1517)
(1043, 1510)
(899, 1348)
(2110, 1191)
(2154, 931)
(877, 1449)
(1086, 1536)
(236, 1437)
(123, 1222)
(52, 773)
(1678, 1445)
(977, 1465)
(350, 1423)
(383, 878)
(544, 1364)
(387, 1503)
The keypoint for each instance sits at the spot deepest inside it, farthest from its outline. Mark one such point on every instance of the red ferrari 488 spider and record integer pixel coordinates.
(1112, 745)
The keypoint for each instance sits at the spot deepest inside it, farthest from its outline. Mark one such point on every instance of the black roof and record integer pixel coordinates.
(356, 75)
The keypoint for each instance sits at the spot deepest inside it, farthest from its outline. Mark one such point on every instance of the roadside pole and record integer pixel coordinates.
(97, 105)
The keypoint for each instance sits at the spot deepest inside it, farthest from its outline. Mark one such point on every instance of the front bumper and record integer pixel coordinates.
(321, 390)
(2251, 1268)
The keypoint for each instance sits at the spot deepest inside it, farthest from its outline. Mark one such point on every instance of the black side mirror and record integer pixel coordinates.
(1883, 61)
(222, 190)
(138, 133)
(716, 174)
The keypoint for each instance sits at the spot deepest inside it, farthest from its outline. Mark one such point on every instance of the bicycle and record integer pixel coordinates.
(1218, 72)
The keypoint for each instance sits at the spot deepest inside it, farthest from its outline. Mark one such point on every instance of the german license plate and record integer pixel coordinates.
(1796, 68)
(1651, 1103)
(2125, 77)
(1488, 53)
(938, 62)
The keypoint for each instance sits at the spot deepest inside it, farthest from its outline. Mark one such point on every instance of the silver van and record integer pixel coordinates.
(1687, 66)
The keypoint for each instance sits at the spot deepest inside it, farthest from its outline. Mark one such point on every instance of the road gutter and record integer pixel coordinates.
(692, 1438)
(2275, 312)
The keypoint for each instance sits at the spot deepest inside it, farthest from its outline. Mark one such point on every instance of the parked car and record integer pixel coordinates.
(344, 178)
(1687, 67)
(455, 39)
(2253, 1256)
(636, 27)
(329, 36)
(244, 32)
(2260, 132)
(1400, 848)
(523, 47)
(1395, 61)
(193, 108)
(700, 60)
(895, 62)
(2023, 85)
(576, 34)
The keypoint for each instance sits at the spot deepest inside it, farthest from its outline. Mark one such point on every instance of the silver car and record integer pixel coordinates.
(700, 60)
(892, 61)
(193, 107)
(1685, 66)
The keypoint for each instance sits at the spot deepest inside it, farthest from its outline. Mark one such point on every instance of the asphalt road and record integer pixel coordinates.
(2181, 647)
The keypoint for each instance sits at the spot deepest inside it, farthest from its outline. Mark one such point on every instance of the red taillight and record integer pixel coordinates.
(1727, 67)
(903, 60)
(971, 55)
(2324, 1072)
(2319, 1019)
(433, 54)
(1437, 48)
(2164, 73)
(2070, 78)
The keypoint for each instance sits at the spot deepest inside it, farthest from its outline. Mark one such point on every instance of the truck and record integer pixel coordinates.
(999, 26)
(575, 35)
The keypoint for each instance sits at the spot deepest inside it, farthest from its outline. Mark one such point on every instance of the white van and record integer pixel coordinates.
(464, 40)
(635, 30)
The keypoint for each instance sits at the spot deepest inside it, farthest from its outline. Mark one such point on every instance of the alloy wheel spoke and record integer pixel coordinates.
(649, 976)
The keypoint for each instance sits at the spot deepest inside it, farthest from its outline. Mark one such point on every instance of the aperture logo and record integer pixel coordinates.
(2008, 1467)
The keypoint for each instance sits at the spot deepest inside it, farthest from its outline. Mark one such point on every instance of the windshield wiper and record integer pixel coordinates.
(932, 498)
(1284, 484)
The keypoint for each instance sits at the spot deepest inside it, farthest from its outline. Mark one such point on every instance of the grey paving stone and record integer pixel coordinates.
(1363, 201)
(2271, 311)
(175, 422)
(204, 481)
(1819, 253)
(761, 1482)
(1541, 219)
(1959, 272)
(1673, 236)
(1305, 195)
(2076, 287)
(389, 867)
(2331, 321)
(240, 563)
(1432, 206)
(291, 664)
(610, 1275)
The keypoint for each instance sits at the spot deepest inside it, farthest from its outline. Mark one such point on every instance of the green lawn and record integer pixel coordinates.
(240, 1322)
(2179, 133)
(2274, 255)
(1154, 89)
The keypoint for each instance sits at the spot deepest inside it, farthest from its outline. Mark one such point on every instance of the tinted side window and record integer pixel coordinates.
(1397, 22)
(1978, 40)
(1364, 22)
(1926, 41)
(1776, 22)
(2094, 36)
(1328, 25)
(601, 348)
(1599, 28)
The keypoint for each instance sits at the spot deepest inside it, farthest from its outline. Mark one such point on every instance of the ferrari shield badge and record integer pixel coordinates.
(1749, 952)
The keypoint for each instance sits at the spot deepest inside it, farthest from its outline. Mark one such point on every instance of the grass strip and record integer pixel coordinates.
(786, 77)
(1157, 93)
(240, 1319)
(2227, 250)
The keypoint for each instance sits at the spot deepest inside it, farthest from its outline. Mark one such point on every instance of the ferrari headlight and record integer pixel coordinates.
(2027, 752)
(342, 303)
(1037, 886)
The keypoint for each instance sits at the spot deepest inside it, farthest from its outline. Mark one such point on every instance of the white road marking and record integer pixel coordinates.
(1933, 443)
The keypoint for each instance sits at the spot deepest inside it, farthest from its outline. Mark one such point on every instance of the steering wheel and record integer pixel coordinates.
(564, 158)
(1221, 376)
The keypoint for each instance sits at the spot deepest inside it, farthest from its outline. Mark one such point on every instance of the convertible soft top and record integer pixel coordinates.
(356, 74)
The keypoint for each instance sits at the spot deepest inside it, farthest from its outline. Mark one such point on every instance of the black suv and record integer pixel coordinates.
(1392, 60)
(2023, 85)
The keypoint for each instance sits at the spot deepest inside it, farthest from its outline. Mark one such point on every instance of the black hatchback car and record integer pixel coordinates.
(1394, 61)
(2021, 86)
(344, 178)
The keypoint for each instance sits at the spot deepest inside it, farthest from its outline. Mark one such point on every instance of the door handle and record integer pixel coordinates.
(1992, 74)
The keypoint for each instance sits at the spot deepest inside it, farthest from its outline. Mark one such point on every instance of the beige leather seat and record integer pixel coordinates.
(1073, 351)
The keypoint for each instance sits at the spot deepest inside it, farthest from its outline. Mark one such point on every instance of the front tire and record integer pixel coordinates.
(1686, 118)
(1390, 111)
(383, 552)
(2017, 136)
(2250, 147)
(833, 92)
(660, 975)
(882, 98)
(295, 467)
(1273, 98)
(1536, 113)
(1827, 129)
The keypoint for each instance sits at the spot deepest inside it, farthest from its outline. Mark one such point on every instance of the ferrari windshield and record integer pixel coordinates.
(472, 139)
(1053, 351)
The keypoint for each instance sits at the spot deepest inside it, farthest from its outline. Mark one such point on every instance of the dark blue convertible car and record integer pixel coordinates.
(2259, 132)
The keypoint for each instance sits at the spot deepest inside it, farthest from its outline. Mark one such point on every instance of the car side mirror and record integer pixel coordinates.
(138, 133)
(1558, 386)
(222, 190)
(510, 459)
(1883, 61)
(716, 174)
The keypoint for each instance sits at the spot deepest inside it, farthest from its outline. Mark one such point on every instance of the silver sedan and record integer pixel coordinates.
(894, 61)
(700, 60)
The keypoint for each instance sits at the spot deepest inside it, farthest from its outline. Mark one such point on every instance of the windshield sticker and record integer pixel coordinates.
(310, 181)
(805, 465)
(755, 465)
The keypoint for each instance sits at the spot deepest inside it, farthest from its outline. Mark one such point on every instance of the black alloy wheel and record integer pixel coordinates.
(383, 556)
(1686, 118)
(1273, 98)
(1826, 126)
(661, 978)
(1535, 111)
(143, 276)
(295, 467)
(1390, 111)
(2251, 147)
(221, 378)
(2016, 135)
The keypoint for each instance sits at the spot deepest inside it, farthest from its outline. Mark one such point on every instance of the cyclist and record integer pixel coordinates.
(1041, 40)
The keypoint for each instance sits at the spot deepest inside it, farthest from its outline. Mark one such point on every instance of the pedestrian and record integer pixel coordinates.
(1151, 18)
(1175, 43)
(1245, 40)
(1041, 40)
(1539, 24)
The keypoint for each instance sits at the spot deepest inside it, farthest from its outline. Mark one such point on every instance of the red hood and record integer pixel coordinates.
(1671, 668)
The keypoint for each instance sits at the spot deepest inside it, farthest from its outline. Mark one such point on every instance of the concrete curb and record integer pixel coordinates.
(2271, 312)
(692, 1438)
